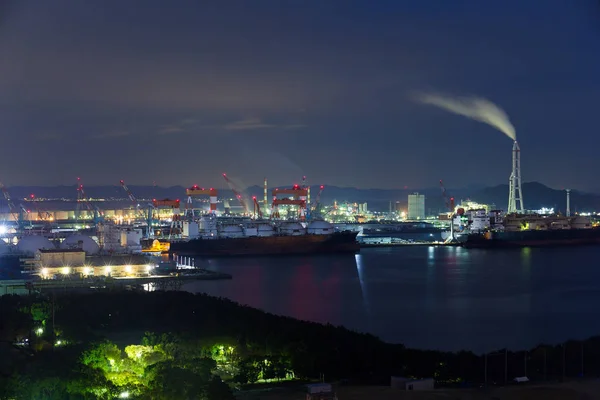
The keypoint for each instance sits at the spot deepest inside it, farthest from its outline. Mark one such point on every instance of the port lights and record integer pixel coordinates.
(148, 268)
(3, 229)
(87, 271)
(107, 270)
(45, 272)
(128, 269)
(65, 270)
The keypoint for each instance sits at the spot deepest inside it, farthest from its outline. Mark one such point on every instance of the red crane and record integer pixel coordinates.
(449, 201)
(237, 194)
(257, 208)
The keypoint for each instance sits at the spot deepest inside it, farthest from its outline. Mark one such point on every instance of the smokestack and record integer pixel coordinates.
(568, 202)
(515, 195)
(265, 198)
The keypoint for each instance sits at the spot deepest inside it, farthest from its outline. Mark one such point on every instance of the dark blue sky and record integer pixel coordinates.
(178, 92)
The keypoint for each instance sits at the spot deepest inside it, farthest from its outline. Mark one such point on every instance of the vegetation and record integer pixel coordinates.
(166, 345)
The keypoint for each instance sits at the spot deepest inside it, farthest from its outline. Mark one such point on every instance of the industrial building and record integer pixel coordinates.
(416, 206)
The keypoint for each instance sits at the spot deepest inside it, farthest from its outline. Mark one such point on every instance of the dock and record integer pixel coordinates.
(404, 244)
(172, 281)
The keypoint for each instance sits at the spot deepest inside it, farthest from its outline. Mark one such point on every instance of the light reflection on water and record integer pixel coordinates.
(429, 297)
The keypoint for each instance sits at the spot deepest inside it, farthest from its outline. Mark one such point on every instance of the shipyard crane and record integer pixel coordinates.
(449, 201)
(11, 206)
(148, 217)
(296, 197)
(93, 210)
(317, 206)
(315, 211)
(196, 191)
(257, 208)
(237, 194)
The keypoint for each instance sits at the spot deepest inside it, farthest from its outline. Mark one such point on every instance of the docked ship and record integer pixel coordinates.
(535, 231)
(212, 238)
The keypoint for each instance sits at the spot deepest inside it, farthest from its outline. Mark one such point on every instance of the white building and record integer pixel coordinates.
(416, 206)
(362, 208)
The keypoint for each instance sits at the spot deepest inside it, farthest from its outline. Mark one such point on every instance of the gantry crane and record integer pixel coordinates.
(296, 197)
(195, 191)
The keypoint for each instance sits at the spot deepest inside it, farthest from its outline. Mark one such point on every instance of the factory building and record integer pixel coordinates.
(416, 206)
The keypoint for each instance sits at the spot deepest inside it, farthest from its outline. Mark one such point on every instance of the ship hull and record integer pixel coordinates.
(339, 242)
(549, 238)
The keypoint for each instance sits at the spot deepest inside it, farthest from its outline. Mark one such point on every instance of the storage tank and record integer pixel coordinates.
(231, 231)
(81, 242)
(292, 229)
(320, 228)
(581, 222)
(30, 244)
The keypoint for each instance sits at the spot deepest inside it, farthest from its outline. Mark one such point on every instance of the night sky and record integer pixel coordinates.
(177, 92)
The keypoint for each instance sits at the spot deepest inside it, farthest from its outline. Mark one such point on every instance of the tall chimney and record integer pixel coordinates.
(265, 197)
(568, 202)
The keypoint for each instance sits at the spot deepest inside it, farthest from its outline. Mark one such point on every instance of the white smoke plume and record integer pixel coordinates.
(476, 108)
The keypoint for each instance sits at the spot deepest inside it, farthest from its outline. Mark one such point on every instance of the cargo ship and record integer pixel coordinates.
(211, 239)
(536, 231)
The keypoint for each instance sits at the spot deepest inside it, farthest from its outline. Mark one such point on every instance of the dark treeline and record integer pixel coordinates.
(98, 345)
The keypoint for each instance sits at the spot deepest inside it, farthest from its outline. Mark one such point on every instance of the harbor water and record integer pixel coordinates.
(447, 298)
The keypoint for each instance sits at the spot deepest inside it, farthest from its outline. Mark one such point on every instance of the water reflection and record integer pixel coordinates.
(363, 286)
(449, 298)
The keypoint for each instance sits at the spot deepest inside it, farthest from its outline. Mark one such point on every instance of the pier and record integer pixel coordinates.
(173, 281)
(404, 244)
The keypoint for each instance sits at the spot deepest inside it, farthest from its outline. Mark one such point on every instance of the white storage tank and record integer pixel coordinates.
(30, 244)
(320, 228)
(265, 229)
(231, 231)
(292, 229)
(83, 242)
(580, 222)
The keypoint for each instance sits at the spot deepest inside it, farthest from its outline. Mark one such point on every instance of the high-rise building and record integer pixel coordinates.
(362, 208)
(416, 206)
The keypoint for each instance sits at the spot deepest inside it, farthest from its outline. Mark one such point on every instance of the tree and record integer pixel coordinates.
(218, 390)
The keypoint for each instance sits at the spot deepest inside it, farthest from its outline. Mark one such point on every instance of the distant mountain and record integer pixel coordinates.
(536, 195)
